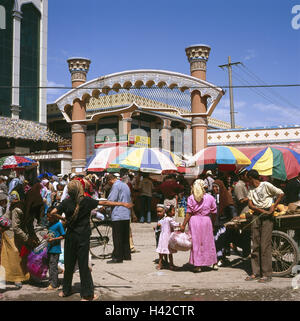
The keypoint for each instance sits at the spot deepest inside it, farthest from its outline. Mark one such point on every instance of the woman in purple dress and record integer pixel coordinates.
(200, 206)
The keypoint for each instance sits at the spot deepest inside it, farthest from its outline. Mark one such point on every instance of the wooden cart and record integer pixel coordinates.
(285, 241)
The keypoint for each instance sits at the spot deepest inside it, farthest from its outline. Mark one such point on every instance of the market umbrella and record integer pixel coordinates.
(172, 156)
(148, 160)
(102, 159)
(225, 157)
(15, 162)
(279, 162)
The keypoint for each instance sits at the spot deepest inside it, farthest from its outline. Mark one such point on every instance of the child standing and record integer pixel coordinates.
(56, 234)
(160, 212)
(167, 225)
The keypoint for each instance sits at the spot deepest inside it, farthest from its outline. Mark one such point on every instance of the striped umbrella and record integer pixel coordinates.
(279, 162)
(148, 160)
(173, 157)
(219, 155)
(14, 162)
(102, 159)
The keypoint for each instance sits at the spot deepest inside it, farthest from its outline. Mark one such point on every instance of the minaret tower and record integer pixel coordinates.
(197, 56)
(79, 68)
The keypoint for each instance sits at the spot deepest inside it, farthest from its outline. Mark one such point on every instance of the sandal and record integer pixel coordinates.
(252, 277)
(265, 279)
(94, 298)
(173, 268)
(63, 295)
(50, 288)
(197, 269)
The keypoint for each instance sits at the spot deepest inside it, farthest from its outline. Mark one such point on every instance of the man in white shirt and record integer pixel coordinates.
(65, 192)
(263, 199)
(209, 181)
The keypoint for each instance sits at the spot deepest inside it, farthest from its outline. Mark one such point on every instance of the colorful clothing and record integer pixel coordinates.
(56, 230)
(203, 252)
(167, 226)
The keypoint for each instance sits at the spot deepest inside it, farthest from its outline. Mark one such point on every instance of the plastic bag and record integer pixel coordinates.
(180, 241)
(37, 264)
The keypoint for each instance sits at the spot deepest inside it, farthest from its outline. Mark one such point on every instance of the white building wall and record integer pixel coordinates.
(42, 6)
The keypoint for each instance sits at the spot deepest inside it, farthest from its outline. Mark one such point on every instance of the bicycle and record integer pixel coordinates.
(101, 245)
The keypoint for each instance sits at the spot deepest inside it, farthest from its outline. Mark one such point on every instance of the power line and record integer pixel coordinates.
(258, 92)
(220, 86)
(259, 80)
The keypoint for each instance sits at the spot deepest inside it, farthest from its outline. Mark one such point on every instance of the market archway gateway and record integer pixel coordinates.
(158, 96)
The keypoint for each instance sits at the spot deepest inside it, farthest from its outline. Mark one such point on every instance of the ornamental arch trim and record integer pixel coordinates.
(141, 79)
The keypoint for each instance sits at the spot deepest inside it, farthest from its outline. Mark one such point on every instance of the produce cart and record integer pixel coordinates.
(285, 240)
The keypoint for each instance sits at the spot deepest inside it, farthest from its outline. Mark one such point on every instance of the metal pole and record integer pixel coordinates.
(231, 93)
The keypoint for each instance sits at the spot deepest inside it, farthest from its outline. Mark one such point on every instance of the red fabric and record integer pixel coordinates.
(24, 251)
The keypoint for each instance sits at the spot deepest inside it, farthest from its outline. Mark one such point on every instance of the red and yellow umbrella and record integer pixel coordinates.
(216, 156)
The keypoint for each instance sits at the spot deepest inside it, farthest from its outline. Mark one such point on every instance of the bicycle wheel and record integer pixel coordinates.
(284, 253)
(101, 244)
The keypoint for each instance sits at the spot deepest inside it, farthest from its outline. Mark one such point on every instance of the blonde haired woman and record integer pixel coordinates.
(77, 209)
(200, 207)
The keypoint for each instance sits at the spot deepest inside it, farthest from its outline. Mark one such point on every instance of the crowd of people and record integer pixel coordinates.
(63, 204)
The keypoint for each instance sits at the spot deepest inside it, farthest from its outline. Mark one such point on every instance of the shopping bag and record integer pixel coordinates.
(181, 212)
(5, 223)
(37, 264)
(180, 241)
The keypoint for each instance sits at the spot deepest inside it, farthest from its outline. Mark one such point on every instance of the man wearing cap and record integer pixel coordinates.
(263, 199)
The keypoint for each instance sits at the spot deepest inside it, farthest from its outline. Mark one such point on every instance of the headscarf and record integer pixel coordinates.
(44, 189)
(198, 190)
(76, 193)
(19, 188)
(44, 182)
(13, 183)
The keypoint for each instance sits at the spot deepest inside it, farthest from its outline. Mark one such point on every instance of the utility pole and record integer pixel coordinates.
(230, 88)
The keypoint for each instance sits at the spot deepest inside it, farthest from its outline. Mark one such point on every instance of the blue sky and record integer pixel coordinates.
(130, 34)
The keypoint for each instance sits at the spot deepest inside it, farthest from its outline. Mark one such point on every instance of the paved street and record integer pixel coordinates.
(139, 280)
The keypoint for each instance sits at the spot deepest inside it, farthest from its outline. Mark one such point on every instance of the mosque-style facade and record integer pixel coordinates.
(154, 108)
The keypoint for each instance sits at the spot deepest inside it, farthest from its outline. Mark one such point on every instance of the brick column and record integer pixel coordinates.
(126, 123)
(78, 68)
(166, 134)
(78, 136)
(197, 57)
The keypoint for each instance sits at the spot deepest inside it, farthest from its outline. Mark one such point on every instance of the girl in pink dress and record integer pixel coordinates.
(167, 227)
(200, 207)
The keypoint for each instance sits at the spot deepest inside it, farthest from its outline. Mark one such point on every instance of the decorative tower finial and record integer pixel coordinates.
(197, 56)
(79, 68)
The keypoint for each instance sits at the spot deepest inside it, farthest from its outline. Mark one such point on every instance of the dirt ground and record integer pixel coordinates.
(139, 280)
